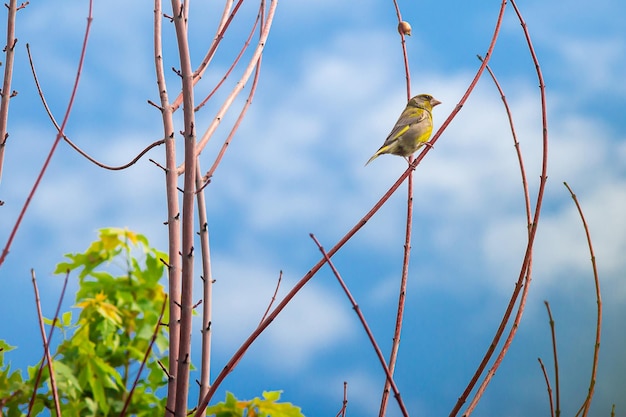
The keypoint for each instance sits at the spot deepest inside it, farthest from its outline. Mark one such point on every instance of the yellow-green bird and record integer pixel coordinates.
(412, 129)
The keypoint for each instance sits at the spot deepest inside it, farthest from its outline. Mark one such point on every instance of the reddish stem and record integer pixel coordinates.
(59, 135)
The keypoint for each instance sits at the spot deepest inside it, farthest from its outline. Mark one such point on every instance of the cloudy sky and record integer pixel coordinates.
(332, 85)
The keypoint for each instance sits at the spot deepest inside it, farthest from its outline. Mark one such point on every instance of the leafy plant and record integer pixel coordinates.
(257, 407)
(105, 348)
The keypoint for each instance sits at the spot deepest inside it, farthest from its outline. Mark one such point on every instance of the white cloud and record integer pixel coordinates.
(314, 322)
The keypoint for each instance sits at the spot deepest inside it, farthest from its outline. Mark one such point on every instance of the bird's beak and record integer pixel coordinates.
(434, 102)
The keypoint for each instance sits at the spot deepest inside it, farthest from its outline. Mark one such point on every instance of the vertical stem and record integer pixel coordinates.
(401, 297)
(8, 75)
(184, 355)
(395, 346)
(207, 286)
(173, 210)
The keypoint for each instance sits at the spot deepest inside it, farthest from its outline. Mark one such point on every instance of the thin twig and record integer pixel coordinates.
(516, 143)
(47, 342)
(524, 270)
(528, 276)
(145, 359)
(235, 127)
(72, 144)
(59, 135)
(197, 75)
(556, 361)
(344, 404)
(370, 335)
(46, 350)
(596, 349)
(395, 345)
(269, 306)
(235, 61)
(240, 84)
(549, 388)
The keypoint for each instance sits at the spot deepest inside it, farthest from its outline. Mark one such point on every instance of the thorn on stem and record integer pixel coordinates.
(157, 164)
(164, 369)
(152, 103)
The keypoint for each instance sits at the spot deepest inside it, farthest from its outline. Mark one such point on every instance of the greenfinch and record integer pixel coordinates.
(412, 130)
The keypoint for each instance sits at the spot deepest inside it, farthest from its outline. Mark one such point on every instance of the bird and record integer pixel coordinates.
(412, 130)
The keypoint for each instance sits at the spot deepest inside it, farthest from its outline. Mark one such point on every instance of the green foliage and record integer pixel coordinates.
(98, 360)
(103, 346)
(257, 407)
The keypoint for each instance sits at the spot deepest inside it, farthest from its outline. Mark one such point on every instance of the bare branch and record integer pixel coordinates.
(46, 354)
(173, 209)
(145, 358)
(269, 306)
(59, 135)
(525, 268)
(46, 348)
(596, 349)
(72, 144)
(370, 335)
(549, 388)
(5, 97)
(207, 290)
(344, 404)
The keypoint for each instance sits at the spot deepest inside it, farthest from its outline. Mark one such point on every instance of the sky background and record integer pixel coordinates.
(332, 85)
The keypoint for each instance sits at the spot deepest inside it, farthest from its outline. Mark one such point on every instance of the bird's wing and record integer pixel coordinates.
(404, 123)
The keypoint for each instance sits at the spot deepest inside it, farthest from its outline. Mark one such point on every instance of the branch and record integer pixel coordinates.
(237, 89)
(395, 346)
(222, 27)
(145, 359)
(72, 144)
(59, 135)
(525, 284)
(269, 306)
(596, 350)
(370, 335)
(189, 134)
(46, 348)
(6, 95)
(549, 388)
(525, 268)
(235, 62)
(46, 345)
(173, 210)
(557, 387)
(207, 289)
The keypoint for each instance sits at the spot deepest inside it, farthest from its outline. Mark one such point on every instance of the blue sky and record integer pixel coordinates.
(332, 85)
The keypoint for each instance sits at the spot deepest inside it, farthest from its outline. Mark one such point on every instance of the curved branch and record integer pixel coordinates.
(526, 263)
(72, 144)
(596, 350)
